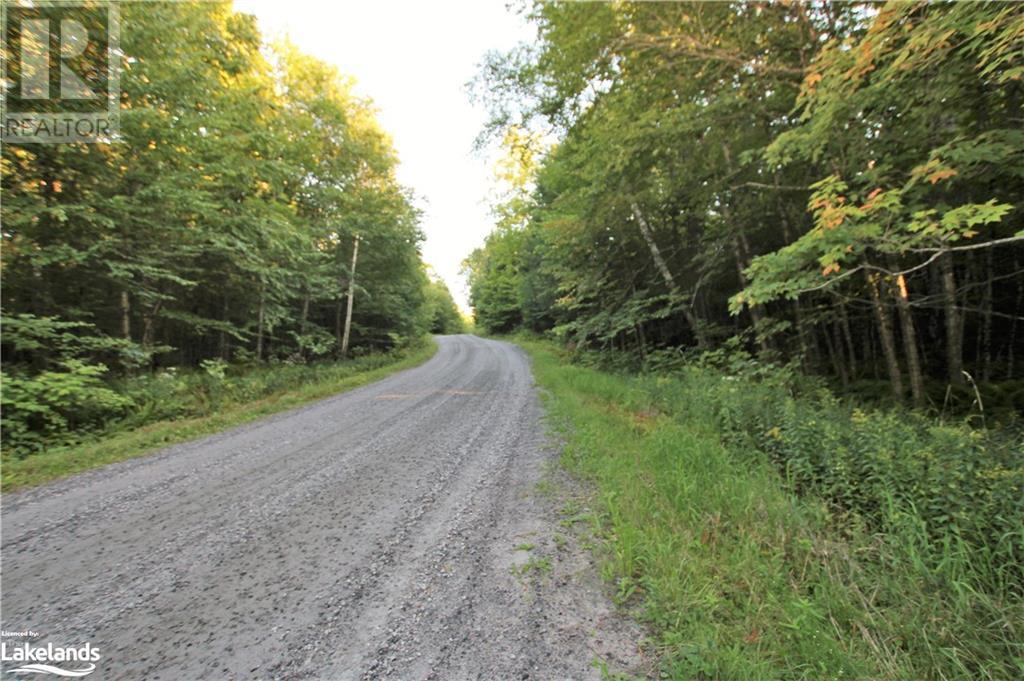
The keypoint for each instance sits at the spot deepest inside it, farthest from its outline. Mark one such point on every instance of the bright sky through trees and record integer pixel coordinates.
(414, 59)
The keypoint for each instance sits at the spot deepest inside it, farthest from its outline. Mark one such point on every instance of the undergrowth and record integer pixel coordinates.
(770, 531)
(175, 406)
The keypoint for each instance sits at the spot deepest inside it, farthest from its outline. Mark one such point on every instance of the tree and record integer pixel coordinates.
(441, 312)
(219, 224)
(931, 176)
(833, 184)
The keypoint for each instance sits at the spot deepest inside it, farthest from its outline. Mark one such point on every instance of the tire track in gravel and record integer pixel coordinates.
(369, 535)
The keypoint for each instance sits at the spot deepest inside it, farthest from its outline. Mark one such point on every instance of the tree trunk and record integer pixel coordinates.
(806, 363)
(909, 333)
(259, 327)
(844, 324)
(351, 292)
(787, 234)
(954, 330)
(148, 322)
(126, 322)
(844, 361)
(642, 340)
(741, 262)
(338, 320)
(1013, 323)
(870, 356)
(645, 230)
(986, 321)
(223, 349)
(835, 354)
(887, 338)
(756, 314)
(695, 325)
(670, 282)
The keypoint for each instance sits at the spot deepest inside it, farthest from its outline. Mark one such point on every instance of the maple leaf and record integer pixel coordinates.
(941, 174)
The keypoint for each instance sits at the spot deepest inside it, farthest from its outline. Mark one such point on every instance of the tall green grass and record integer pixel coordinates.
(747, 566)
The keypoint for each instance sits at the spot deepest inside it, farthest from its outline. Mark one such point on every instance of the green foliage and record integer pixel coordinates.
(316, 343)
(494, 282)
(722, 170)
(50, 339)
(75, 401)
(41, 409)
(65, 389)
(218, 227)
(441, 312)
(880, 467)
(768, 531)
(174, 406)
(943, 57)
(183, 394)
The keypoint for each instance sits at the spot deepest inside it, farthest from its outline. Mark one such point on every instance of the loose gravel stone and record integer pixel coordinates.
(370, 535)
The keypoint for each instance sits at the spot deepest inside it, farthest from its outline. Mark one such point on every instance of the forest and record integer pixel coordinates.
(837, 185)
(768, 258)
(213, 236)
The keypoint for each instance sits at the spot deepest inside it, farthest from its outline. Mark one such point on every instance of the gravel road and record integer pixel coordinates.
(394, 531)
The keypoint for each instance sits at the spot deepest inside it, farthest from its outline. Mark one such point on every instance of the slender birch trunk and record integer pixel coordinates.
(351, 293)
(670, 282)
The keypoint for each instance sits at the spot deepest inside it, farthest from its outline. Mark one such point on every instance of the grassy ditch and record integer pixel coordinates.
(767, 533)
(176, 407)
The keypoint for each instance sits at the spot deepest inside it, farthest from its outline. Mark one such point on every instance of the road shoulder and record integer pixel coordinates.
(63, 462)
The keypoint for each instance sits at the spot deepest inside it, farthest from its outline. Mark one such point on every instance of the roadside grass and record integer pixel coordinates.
(128, 440)
(740, 577)
(539, 565)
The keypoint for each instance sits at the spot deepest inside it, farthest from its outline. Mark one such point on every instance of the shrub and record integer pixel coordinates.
(881, 467)
(74, 400)
(62, 391)
(48, 407)
(767, 530)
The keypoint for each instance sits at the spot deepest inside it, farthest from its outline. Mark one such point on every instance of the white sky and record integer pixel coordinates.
(413, 60)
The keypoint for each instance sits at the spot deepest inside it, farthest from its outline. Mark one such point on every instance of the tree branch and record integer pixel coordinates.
(972, 247)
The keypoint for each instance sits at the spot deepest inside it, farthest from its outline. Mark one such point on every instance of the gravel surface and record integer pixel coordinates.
(394, 531)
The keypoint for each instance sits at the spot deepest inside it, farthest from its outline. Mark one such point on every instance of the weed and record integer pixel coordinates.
(546, 488)
(769, 531)
(172, 407)
(538, 565)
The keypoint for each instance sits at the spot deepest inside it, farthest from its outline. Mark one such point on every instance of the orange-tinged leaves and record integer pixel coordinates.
(941, 174)
(832, 218)
(870, 203)
(934, 171)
